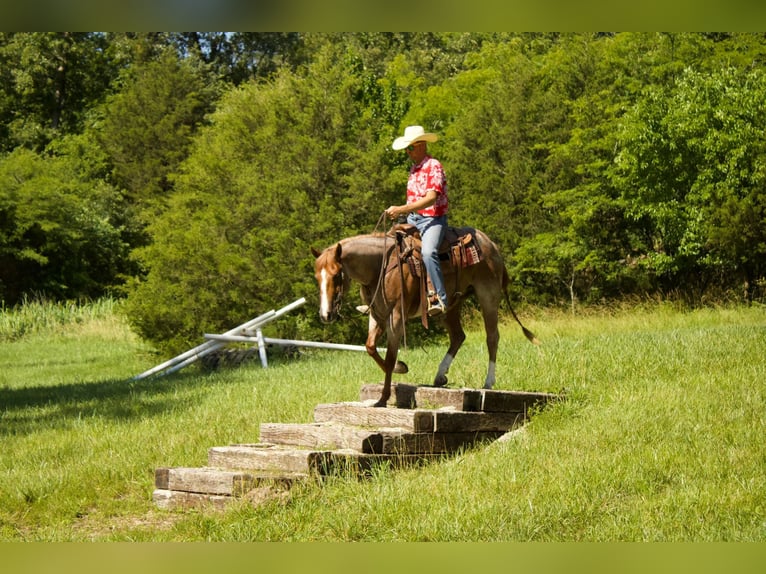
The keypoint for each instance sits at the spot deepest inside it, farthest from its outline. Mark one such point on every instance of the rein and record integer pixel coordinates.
(384, 270)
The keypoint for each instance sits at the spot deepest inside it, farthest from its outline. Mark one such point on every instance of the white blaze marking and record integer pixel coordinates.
(324, 300)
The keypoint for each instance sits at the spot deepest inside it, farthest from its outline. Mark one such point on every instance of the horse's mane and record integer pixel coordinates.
(368, 238)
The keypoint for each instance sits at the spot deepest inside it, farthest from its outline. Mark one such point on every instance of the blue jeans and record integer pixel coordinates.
(432, 231)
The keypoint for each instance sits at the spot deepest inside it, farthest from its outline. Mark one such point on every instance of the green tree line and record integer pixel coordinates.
(192, 172)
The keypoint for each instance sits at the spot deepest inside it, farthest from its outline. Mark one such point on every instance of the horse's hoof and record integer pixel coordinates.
(440, 381)
(380, 403)
(401, 368)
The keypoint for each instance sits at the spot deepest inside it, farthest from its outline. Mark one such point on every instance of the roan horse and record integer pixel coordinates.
(393, 293)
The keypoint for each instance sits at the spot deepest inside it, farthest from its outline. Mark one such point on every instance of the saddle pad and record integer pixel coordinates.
(465, 252)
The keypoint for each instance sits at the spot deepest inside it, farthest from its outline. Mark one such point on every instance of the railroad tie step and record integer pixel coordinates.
(380, 440)
(408, 396)
(183, 488)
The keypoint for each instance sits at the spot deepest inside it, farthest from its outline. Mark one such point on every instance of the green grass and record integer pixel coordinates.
(660, 438)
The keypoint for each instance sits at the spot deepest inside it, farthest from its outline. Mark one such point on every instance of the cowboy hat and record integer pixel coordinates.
(413, 134)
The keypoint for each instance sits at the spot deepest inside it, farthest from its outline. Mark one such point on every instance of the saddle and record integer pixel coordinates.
(458, 249)
(459, 246)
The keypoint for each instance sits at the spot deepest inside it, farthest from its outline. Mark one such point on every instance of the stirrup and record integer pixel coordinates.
(435, 307)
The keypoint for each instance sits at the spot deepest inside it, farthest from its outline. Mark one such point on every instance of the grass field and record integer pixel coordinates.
(661, 437)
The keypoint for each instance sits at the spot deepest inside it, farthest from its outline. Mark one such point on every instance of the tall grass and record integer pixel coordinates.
(660, 437)
(43, 316)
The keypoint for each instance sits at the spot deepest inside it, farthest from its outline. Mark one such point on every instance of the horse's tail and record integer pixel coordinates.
(527, 333)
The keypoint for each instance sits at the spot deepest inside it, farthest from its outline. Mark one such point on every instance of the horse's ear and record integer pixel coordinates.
(338, 252)
(315, 252)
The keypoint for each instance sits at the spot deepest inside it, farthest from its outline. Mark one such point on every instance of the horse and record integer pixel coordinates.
(392, 293)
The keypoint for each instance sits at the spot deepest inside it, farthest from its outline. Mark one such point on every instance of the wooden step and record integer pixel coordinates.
(180, 500)
(417, 420)
(325, 435)
(364, 415)
(406, 396)
(308, 462)
(514, 401)
(264, 457)
(370, 441)
(428, 397)
(421, 424)
(207, 480)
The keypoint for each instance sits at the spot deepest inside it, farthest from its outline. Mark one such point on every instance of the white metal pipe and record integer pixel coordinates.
(208, 347)
(286, 342)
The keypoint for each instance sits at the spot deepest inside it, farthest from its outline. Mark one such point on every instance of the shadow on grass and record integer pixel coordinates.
(31, 409)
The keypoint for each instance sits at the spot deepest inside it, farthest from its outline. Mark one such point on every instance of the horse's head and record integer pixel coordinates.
(328, 271)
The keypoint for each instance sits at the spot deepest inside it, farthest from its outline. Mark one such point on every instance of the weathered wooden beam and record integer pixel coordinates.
(358, 414)
(428, 397)
(406, 396)
(438, 442)
(262, 457)
(439, 397)
(335, 436)
(402, 394)
(456, 421)
(514, 401)
(178, 500)
(207, 480)
(181, 500)
(349, 462)
(325, 435)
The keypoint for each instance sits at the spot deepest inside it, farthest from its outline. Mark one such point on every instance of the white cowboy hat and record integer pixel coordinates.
(413, 134)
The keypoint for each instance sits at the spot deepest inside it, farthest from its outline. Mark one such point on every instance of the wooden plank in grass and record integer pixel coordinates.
(405, 396)
(261, 457)
(514, 401)
(324, 435)
(358, 414)
(370, 441)
(347, 461)
(439, 398)
(178, 500)
(438, 442)
(402, 394)
(207, 480)
(457, 421)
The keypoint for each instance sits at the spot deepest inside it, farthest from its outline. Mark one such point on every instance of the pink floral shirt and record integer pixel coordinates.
(425, 176)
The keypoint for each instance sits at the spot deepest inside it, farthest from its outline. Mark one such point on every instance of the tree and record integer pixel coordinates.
(48, 83)
(284, 165)
(58, 231)
(693, 167)
(148, 125)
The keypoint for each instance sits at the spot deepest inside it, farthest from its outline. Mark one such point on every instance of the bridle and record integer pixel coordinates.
(338, 282)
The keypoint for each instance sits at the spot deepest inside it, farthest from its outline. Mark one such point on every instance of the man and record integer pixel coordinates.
(426, 207)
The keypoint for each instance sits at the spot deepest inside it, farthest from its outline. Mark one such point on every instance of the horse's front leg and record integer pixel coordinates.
(374, 331)
(385, 394)
(456, 339)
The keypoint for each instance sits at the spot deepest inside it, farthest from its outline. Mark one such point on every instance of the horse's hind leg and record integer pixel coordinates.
(456, 338)
(489, 312)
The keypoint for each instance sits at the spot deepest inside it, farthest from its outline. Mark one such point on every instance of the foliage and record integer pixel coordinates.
(603, 164)
(693, 160)
(148, 125)
(283, 167)
(48, 83)
(60, 233)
